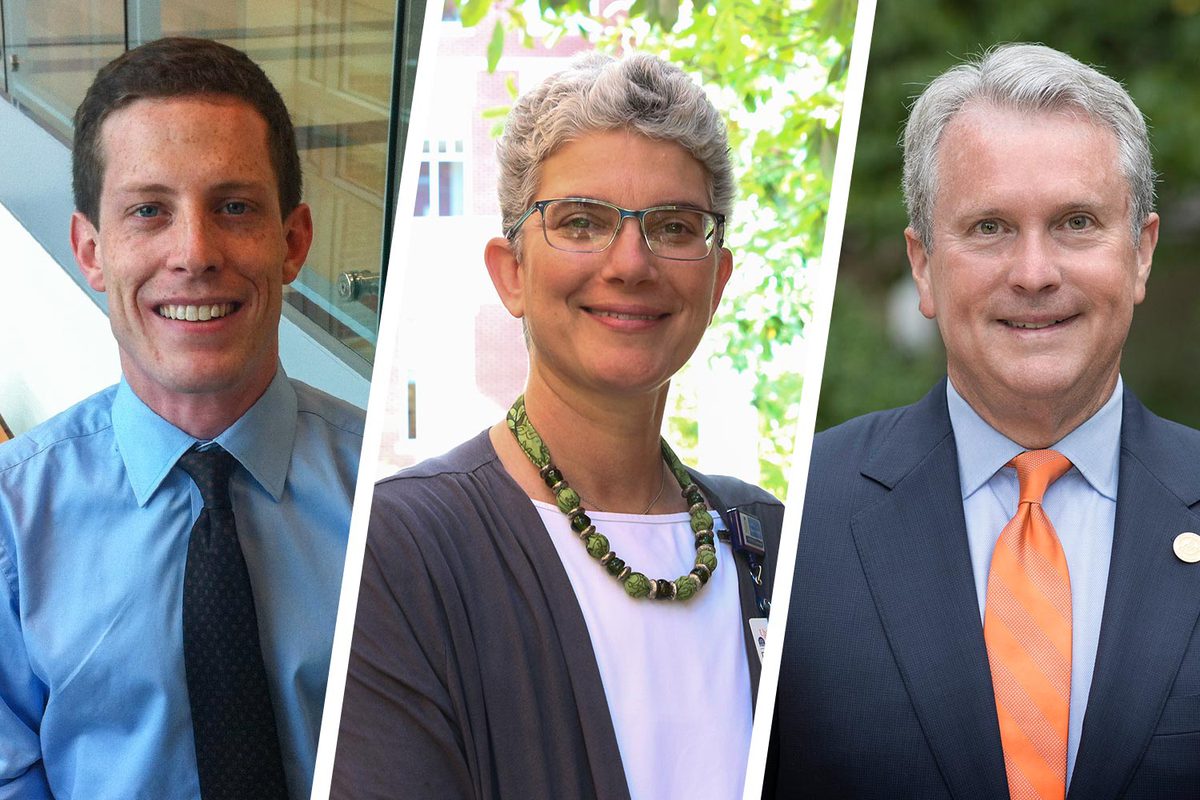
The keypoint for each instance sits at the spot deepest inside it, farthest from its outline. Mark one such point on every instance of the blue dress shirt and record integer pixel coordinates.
(1082, 506)
(94, 526)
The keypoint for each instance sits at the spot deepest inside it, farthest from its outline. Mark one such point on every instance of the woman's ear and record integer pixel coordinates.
(505, 272)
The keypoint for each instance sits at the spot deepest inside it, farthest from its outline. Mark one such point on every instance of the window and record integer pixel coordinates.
(440, 186)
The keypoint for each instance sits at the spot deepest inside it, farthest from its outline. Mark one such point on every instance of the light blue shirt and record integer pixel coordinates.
(94, 527)
(1081, 505)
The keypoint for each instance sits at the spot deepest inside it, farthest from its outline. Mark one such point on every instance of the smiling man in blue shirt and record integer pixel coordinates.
(187, 185)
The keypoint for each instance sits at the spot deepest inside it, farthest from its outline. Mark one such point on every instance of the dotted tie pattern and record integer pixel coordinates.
(237, 746)
(1027, 628)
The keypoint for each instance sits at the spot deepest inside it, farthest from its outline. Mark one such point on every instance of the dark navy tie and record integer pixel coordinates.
(237, 747)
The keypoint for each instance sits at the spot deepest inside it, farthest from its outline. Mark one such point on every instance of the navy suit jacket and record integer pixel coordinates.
(885, 690)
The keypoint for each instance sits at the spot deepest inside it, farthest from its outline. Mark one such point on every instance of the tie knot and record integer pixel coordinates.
(210, 470)
(1036, 470)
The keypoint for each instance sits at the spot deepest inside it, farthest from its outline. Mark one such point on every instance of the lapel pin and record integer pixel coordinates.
(1187, 547)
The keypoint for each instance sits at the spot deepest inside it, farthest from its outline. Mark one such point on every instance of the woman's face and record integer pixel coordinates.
(621, 321)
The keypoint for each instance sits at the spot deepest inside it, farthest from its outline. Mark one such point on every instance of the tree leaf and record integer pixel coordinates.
(495, 47)
(473, 12)
(668, 13)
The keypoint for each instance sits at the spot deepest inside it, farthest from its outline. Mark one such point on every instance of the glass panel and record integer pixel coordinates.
(3, 55)
(332, 62)
(53, 49)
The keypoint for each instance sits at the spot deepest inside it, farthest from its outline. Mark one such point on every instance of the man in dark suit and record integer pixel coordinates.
(910, 668)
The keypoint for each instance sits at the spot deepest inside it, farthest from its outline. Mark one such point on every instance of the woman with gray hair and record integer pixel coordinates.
(540, 614)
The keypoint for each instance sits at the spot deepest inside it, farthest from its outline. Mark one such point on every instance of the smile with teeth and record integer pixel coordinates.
(618, 315)
(1032, 326)
(194, 313)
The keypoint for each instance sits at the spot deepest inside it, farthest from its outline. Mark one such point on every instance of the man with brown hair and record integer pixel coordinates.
(171, 548)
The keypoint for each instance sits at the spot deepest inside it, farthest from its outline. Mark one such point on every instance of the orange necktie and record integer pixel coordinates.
(1027, 627)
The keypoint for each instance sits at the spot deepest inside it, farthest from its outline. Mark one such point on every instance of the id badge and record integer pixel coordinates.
(758, 630)
(747, 533)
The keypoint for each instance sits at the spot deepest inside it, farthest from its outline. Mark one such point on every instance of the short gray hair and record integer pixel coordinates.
(1029, 78)
(599, 93)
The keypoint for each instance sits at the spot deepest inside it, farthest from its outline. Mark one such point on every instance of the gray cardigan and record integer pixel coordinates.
(471, 671)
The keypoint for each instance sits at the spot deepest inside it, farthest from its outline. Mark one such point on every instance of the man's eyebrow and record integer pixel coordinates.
(144, 188)
(240, 186)
(1090, 204)
(224, 187)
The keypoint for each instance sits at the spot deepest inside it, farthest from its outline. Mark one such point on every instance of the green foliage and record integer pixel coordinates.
(778, 403)
(473, 11)
(683, 432)
(777, 71)
(858, 378)
(495, 47)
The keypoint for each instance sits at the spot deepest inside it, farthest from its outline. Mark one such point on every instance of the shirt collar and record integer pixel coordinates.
(147, 443)
(1093, 448)
(261, 440)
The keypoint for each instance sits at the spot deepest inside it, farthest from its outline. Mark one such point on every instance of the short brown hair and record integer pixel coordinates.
(179, 67)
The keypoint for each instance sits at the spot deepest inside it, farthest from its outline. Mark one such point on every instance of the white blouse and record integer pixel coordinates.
(675, 673)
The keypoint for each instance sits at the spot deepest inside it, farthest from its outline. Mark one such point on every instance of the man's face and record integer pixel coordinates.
(192, 250)
(1033, 272)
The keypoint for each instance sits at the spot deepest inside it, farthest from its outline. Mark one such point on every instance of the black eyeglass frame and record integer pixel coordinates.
(718, 238)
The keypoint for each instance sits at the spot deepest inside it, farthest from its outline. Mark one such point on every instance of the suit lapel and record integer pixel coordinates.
(1151, 604)
(912, 543)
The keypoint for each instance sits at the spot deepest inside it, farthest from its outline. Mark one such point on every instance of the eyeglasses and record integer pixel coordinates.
(583, 225)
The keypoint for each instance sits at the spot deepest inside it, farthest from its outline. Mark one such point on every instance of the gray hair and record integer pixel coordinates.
(599, 93)
(1028, 78)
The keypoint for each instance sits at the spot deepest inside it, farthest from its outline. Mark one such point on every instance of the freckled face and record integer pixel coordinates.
(1033, 272)
(622, 320)
(191, 248)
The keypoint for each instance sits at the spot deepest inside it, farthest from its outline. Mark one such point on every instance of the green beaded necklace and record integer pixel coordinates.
(636, 584)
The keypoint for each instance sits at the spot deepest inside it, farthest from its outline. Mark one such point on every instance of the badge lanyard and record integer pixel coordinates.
(746, 537)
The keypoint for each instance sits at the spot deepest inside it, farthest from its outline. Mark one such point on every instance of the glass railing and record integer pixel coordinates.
(334, 62)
